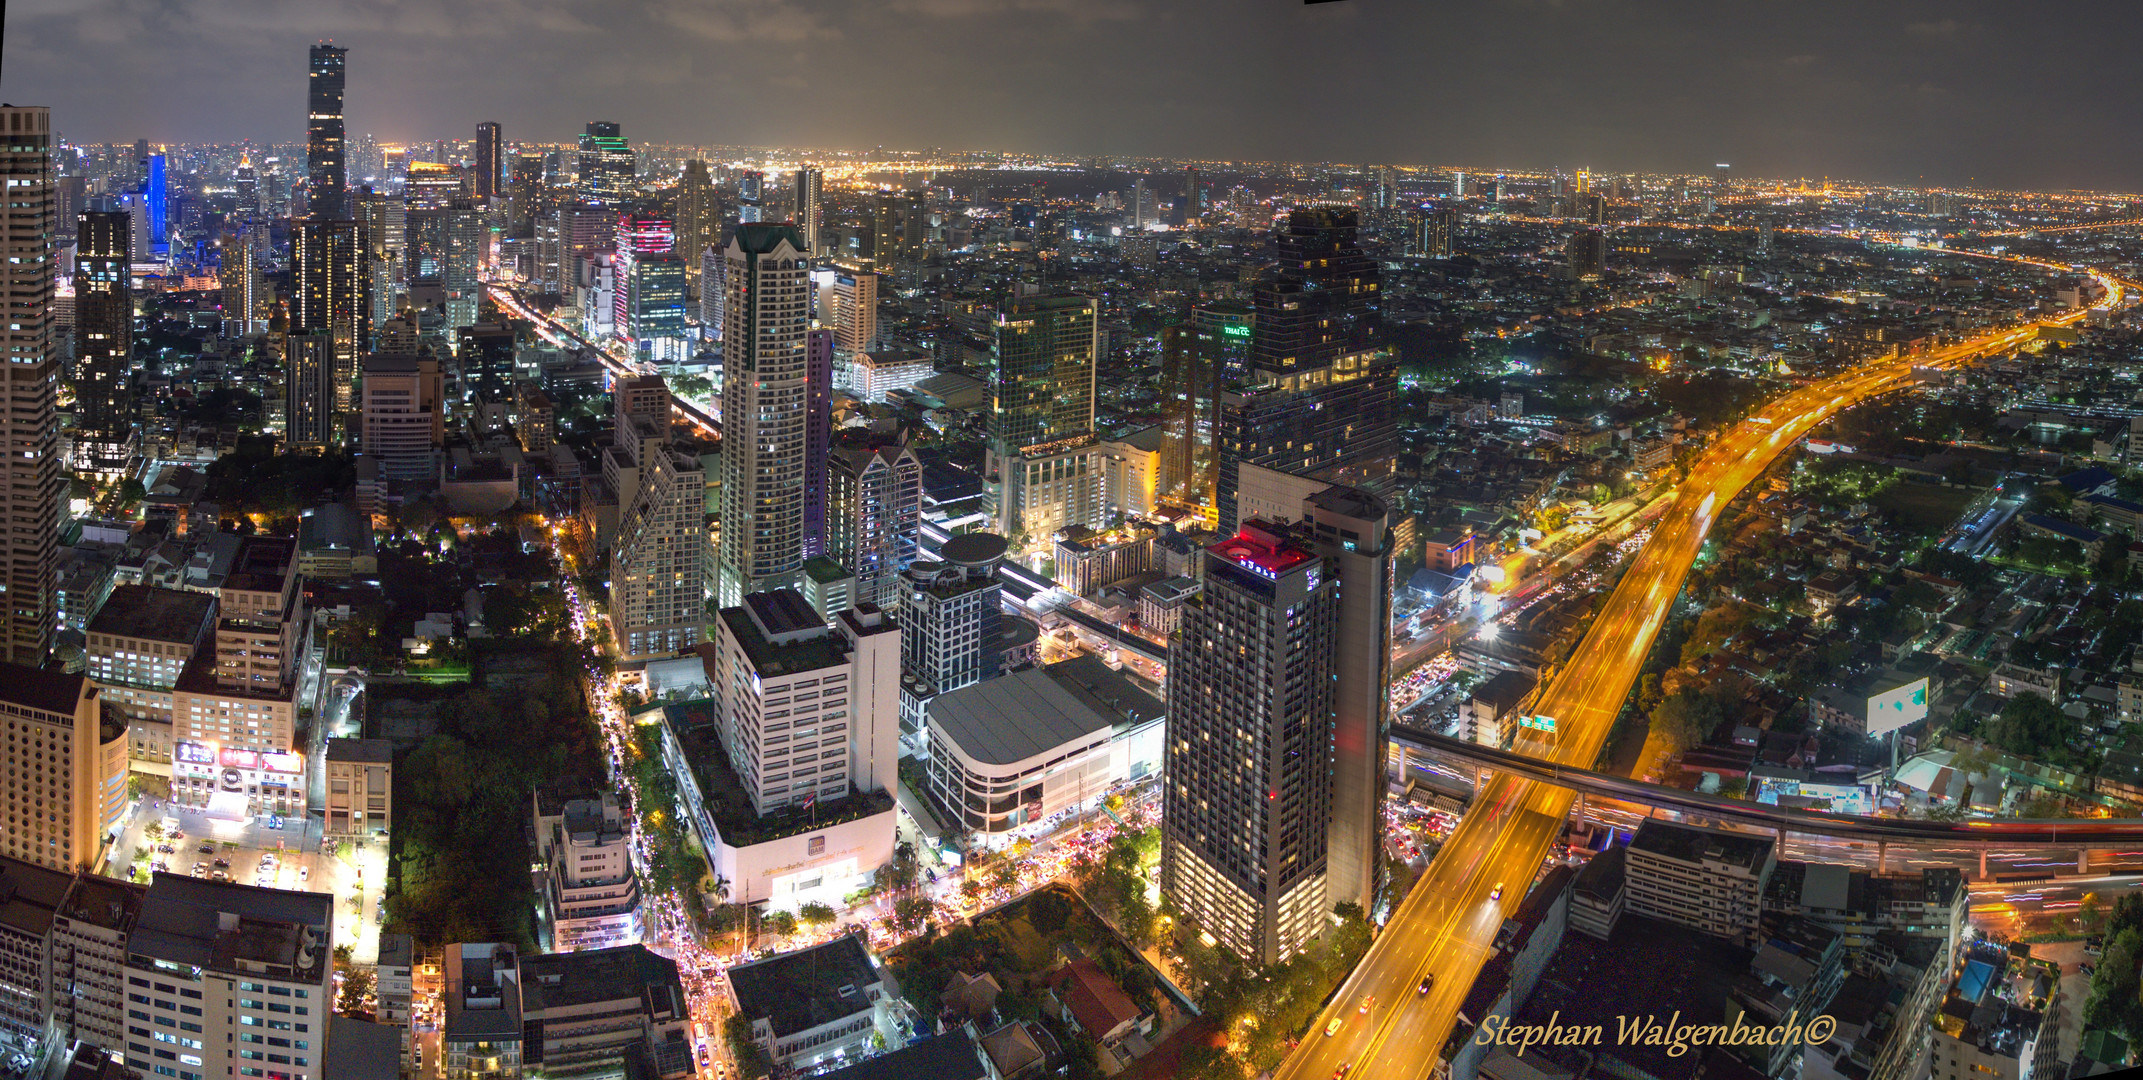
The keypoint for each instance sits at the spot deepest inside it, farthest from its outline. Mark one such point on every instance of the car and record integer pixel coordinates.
(305, 873)
(2086, 969)
(1368, 1003)
(1344, 1068)
(221, 864)
(1498, 894)
(1332, 1028)
(1428, 982)
(208, 849)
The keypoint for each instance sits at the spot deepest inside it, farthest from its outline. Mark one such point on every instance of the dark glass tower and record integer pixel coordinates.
(490, 159)
(818, 434)
(104, 337)
(1318, 398)
(606, 164)
(325, 170)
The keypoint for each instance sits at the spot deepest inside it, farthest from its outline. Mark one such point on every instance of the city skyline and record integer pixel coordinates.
(1824, 90)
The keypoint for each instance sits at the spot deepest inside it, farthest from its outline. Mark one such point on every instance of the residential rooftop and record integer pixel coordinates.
(808, 988)
(153, 614)
(1689, 845)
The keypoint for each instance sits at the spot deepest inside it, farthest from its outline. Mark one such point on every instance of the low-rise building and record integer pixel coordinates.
(1026, 748)
(1982, 1032)
(601, 1013)
(813, 1007)
(1600, 894)
(360, 787)
(482, 1037)
(590, 893)
(1859, 904)
(1704, 879)
(1488, 713)
(1160, 604)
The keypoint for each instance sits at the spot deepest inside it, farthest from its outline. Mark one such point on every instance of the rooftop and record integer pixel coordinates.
(1262, 547)
(105, 902)
(806, 650)
(808, 988)
(367, 751)
(1014, 717)
(30, 896)
(361, 1049)
(950, 1056)
(40, 688)
(144, 611)
(1685, 844)
(628, 972)
(235, 928)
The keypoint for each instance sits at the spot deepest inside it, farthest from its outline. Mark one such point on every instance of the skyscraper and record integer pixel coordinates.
(765, 387)
(658, 574)
(404, 414)
(156, 199)
(606, 164)
(30, 471)
(1267, 728)
(1042, 370)
(699, 217)
(1197, 360)
(713, 292)
(873, 517)
(103, 343)
(751, 197)
(1318, 398)
(950, 612)
(325, 171)
(526, 193)
(1587, 254)
(810, 185)
(467, 236)
(309, 389)
(1433, 233)
(818, 434)
(385, 224)
(490, 159)
(329, 293)
(855, 311)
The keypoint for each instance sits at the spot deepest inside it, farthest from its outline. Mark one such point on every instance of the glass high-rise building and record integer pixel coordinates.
(30, 485)
(103, 342)
(1198, 357)
(751, 197)
(765, 402)
(331, 292)
(327, 174)
(606, 164)
(810, 189)
(1319, 396)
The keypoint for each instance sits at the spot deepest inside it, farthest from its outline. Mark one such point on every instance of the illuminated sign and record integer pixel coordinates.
(1897, 707)
(1537, 723)
(241, 759)
(193, 752)
(282, 762)
(1236, 331)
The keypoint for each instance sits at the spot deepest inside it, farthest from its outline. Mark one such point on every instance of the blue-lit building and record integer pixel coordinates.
(157, 196)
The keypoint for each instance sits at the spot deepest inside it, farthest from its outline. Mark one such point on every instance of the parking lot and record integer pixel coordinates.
(273, 853)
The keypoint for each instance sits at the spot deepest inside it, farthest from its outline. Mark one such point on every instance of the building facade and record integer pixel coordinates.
(30, 486)
(764, 408)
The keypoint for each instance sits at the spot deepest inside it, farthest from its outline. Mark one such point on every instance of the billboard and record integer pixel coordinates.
(1891, 709)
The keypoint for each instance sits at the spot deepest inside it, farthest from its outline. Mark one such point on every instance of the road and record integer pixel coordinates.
(558, 333)
(1448, 922)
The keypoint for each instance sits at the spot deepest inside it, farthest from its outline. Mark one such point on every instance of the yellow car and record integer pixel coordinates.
(1332, 1028)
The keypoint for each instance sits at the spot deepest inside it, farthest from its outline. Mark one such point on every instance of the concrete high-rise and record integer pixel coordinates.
(1586, 251)
(606, 164)
(525, 190)
(327, 177)
(60, 799)
(490, 160)
(810, 186)
(103, 343)
(1274, 718)
(330, 292)
(765, 391)
(309, 390)
(467, 235)
(713, 292)
(404, 416)
(874, 517)
(30, 486)
(789, 668)
(658, 571)
(751, 197)
(699, 218)
(1198, 357)
(855, 310)
(1319, 396)
(385, 222)
(818, 434)
(950, 611)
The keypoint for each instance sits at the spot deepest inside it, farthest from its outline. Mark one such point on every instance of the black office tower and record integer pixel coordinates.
(327, 176)
(104, 341)
(1319, 396)
(490, 160)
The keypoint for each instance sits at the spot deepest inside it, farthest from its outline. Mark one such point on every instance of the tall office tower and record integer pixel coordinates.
(1197, 360)
(60, 798)
(713, 292)
(329, 292)
(658, 570)
(247, 184)
(1502, 189)
(1042, 370)
(897, 224)
(70, 198)
(525, 190)
(782, 667)
(606, 165)
(156, 199)
(433, 186)
(238, 953)
(1142, 208)
(1433, 233)
(951, 612)
(1263, 698)
(1318, 398)
(810, 189)
(1458, 185)
(1587, 254)
(103, 343)
(818, 434)
(765, 381)
(1589, 207)
(309, 390)
(751, 197)
(467, 236)
(404, 415)
(855, 311)
(583, 233)
(1193, 194)
(326, 175)
(385, 221)
(649, 303)
(874, 517)
(484, 353)
(30, 486)
(246, 296)
(490, 160)
(699, 219)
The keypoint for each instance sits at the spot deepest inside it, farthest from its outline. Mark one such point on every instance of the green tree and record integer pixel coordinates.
(2030, 726)
(815, 914)
(2116, 997)
(1686, 718)
(911, 914)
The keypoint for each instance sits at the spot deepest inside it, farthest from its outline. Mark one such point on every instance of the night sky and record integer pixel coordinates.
(2008, 94)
